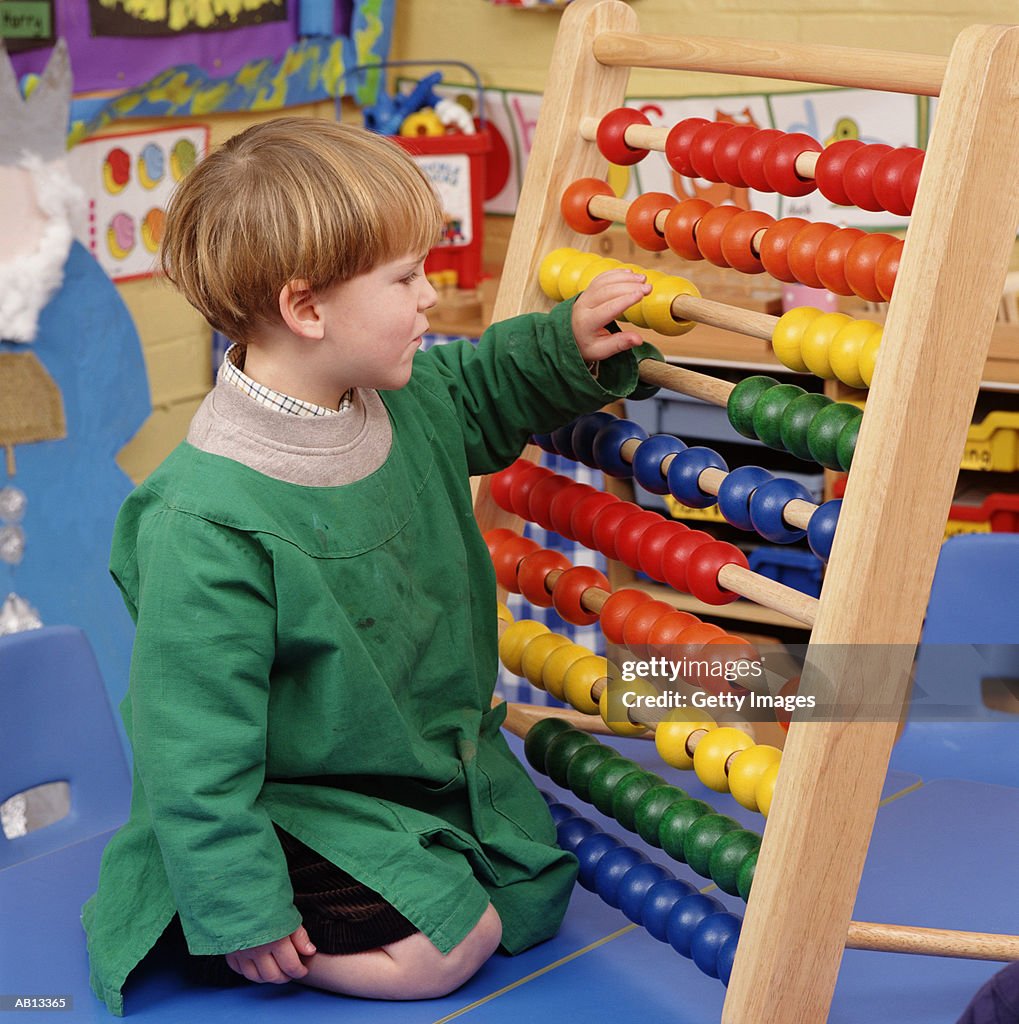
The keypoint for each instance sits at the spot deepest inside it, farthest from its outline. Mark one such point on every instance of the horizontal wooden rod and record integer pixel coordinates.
(918, 74)
(893, 938)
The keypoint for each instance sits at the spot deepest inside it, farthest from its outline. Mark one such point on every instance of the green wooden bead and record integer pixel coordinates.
(768, 413)
(561, 750)
(727, 857)
(627, 794)
(647, 815)
(676, 824)
(846, 444)
(742, 399)
(701, 837)
(582, 767)
(823, 432)
(745, 878)
(606, 778)
(796, 420)
(538, 738)
(645, 351)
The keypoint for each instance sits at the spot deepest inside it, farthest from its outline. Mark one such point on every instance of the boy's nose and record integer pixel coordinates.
(428, 297)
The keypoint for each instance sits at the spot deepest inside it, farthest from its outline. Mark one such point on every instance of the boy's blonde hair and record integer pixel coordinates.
(292, 199)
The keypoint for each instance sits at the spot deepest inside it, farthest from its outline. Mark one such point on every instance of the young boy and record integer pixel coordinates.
(321, 789)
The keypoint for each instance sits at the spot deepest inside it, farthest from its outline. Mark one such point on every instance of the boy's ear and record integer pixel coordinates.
(300, 312)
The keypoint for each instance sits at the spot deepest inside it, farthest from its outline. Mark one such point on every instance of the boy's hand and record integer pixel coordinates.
(603, 300)
(276, 962)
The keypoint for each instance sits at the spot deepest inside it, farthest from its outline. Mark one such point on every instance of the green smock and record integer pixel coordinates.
(324, 658)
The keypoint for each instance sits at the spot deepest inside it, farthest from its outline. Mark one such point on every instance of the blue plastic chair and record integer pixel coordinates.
(57, 725)
(971, 633)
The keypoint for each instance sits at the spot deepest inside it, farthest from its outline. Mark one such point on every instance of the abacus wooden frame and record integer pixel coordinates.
(925, 384)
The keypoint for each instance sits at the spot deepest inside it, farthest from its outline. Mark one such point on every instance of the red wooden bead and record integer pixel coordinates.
(789, 689)
(493, 538)
(521, 487)
(861, 265)
(676, 556)
(531, 573)
(910, 180)
(694, 637)
(702, 572)
(681, 227)
(640, 219)
(724, 651)
(616, 609)
(640, 621)
(666, 630)
(737, 239)
(830, 261)
(888, 177)
(677, 144)
(607, 522)
(858, 175)
(583, 515)
(569, 590)
(709, 233)
(574, 205)
(775, 247)
(830, 166)
(610, 137)
(702, 149)
(652, 544)
(560, 509)
(751, 158)
(500, 483)
(727, 152)
(507, 557)
(803, 252)
(887, 269)
(628, 535)
(780, 164)
(540, 499)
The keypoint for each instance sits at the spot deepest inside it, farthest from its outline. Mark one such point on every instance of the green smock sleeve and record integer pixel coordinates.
(206, 626)
(525, 376)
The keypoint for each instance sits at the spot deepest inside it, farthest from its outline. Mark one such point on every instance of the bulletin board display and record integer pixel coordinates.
(127, 180)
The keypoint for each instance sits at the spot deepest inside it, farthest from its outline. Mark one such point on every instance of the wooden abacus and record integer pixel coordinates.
(947, 289)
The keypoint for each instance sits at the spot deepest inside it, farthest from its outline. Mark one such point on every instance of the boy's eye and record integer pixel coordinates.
(410, 278)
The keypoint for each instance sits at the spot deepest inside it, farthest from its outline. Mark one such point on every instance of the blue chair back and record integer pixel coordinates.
(57, 725)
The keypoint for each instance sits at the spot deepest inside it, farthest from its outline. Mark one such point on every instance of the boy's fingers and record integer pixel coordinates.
(290, 963)
(303, 942)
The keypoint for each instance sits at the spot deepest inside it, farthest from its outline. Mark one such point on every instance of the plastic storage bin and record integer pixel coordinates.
(801, 570)
(993, 444)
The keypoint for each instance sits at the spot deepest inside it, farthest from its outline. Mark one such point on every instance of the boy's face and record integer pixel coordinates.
(374, 323)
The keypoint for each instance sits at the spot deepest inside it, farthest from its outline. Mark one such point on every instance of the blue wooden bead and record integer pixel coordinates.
(658, 904)
(726, 956)
(589, 852)
(563, 440)
(612, 869)
(634, 888)
(709, 937)
(647, 461)
(560, 812)
(684, 918)
(608, 442)
(735, 492)
(573, 831)
(766, 505)
(686, 467)
(545, 443)
(821, 528)
(584, 431)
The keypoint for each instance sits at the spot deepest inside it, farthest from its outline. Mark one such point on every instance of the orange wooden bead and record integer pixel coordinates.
(830, 261)
(803, 252)
(533, 569)
(493, 538)
(640, 621)
(861, 265)
(507, 557)
(887, 269)
(732, 655)
(774, 247)
(574, 205)
(641, 216)
(709, 233)
(569, 590)
(665, 630)
(616, 609)
(681, 227)
(737, 237)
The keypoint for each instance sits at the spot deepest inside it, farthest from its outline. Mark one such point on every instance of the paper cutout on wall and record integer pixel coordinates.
(171, 17)
(128, 180)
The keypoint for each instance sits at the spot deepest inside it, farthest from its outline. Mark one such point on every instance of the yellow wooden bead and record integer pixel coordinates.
(816, 341)
(553, 672)
(613, 707)
(657, 307)
(598, 266)
(569, 276)
(787, 336)
(868, 357)
(550, 269)
(536, 653)
(844, 351)
(672, 734)
(515, 639)
(503, 613)
(579, 679)
(746, 770)
(765, 788)
(712, 753)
